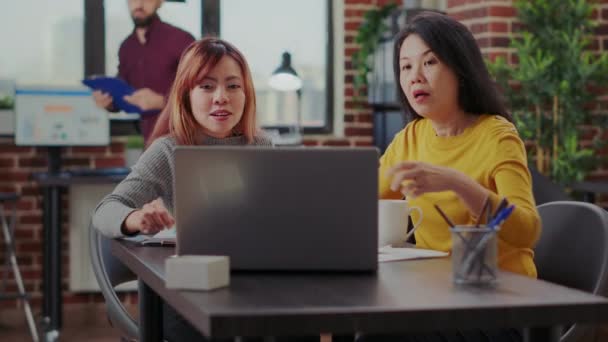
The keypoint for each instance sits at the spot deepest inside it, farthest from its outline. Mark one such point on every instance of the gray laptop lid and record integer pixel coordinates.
(279, 208)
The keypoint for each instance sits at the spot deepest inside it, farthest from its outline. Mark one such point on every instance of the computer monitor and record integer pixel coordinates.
(59, 116)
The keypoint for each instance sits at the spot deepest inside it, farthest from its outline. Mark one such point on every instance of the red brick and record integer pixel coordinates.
(364, 143)
(14, 149)
(310, 142)
(500, 41)
(8, 188)
(502, 11)
(109, 162)
(349, 91)
(493, 55)
(358, 2)
(31, 246)
(352, 25)
(32, 162)
(336, 142)
(353, 12)
(479, 28)
(601, 29)
(7, 162)
(605, 13)
(22, 234)
(455, 3)
(358, 131)
(499, 27)
(517, 27)
(25, 205)
(350, 51)
(89, 150)
(14, 176)
(30, 219)
(365, 118)
(349, 118)
(80, 162)
(117, 148)
(483, 42)
(30, 190)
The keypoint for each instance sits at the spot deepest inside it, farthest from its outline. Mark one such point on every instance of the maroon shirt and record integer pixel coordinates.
(154, 64)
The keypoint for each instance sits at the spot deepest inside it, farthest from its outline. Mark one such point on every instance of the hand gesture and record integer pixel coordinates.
(102, 100)
(150, 219)
(146, 99)
(413, 179)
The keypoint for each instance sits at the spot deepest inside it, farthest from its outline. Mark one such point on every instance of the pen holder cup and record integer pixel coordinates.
(474, 255)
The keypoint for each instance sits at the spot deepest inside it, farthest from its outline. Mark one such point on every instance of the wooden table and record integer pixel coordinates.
(401, 297)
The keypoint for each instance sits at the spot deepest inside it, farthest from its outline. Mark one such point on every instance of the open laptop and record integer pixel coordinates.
(279, 208)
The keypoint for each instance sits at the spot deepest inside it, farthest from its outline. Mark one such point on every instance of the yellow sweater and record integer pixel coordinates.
(490, 152)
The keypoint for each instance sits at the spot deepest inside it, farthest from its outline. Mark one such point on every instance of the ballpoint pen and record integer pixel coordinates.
(493, 225)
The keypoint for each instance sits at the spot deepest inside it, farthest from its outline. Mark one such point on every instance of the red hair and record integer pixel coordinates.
(198, 59)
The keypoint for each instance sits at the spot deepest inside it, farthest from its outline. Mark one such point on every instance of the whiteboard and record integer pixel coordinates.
(59, 116)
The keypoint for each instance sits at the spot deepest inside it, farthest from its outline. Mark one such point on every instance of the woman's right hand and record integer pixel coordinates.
(150, 219)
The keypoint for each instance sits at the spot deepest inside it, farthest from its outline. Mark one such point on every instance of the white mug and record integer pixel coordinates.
(393, 221)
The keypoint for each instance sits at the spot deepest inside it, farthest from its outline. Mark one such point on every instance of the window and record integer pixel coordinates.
(118, 24)
(42, 41)
(301, 28)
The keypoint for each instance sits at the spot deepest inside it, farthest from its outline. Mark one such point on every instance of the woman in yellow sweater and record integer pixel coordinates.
(459, 150)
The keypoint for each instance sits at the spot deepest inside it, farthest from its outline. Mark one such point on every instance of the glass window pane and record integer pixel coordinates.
(185, 15)
(42, 41)
(263, 30)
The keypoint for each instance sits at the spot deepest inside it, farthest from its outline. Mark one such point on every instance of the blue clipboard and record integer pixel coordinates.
(117, 88)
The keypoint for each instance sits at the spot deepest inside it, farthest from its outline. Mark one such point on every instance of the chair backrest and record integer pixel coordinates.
(545, 190)
(110, 272)
(573, 249)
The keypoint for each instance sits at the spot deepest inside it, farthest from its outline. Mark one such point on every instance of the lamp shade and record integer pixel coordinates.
(285, 78)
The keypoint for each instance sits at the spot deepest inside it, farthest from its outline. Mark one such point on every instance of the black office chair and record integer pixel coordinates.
(110, 272)
(582, 230)
(544, 190)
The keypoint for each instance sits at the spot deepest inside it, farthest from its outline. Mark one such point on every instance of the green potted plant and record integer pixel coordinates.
(549, 89)
(7, 106)
(368, 36)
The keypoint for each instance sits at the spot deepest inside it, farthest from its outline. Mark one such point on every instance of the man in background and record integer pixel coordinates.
(148, 60)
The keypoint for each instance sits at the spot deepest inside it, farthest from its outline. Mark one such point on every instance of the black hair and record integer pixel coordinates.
(455, 46)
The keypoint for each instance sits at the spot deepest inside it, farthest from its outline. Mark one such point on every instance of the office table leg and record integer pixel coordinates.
(52, 298)
(543, 334)
(46, 260)
(150, 314)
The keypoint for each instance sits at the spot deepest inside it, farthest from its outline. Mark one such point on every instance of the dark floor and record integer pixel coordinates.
(81, 322)
(88, 322)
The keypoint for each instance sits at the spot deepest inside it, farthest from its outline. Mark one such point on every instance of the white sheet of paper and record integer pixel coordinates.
(388, 253)
(169, 233)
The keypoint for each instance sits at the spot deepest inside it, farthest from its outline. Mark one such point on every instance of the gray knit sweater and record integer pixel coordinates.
(151, 177)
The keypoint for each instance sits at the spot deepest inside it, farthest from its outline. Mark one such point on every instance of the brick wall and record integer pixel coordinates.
(16, 166)
(492, 22)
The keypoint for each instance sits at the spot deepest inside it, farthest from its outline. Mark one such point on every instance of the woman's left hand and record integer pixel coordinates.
(413, 179)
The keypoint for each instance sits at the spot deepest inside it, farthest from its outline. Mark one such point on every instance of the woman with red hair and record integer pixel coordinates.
(211, 102)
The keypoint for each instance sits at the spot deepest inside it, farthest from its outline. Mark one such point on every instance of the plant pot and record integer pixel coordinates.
(7, 122)
(132, 155)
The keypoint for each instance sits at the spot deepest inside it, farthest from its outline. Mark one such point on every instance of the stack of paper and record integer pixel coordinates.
(388, 253)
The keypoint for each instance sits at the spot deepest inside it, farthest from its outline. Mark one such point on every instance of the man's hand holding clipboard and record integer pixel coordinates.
(114, 93)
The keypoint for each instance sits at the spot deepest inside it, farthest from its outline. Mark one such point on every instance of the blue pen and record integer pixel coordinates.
(501, 217)
(493, 225)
